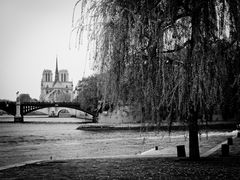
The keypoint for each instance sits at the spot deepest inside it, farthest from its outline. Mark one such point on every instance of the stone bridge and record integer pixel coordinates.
(18, 110)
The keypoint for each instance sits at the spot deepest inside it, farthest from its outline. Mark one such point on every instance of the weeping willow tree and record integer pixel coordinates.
(171, 59)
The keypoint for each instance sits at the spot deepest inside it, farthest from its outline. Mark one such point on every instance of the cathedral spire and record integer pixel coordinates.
(56, 71)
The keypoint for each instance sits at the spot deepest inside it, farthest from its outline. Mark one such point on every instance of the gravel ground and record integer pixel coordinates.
(212, 167)
(129, 168)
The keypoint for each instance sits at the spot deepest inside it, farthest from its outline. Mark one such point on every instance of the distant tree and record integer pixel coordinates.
(88, 93)
(25, 98)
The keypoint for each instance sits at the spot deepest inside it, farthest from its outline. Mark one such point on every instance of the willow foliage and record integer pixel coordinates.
(165, 57)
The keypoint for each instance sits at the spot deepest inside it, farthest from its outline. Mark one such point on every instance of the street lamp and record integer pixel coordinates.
(18, 117)
(17, 96)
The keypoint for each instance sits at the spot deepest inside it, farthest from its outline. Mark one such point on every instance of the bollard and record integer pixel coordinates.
(230, 141)
(181, 151)
(156, 147)
(225, 150)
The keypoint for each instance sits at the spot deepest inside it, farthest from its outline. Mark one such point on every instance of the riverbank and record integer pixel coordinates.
(133, 167)
(214, 166)
(39, 119)
(217, 125)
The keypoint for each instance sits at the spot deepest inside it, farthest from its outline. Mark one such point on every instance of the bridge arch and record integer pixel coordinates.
(62, 110)
(27, 107)
(33, 106)
(72, 112)
(8, 106)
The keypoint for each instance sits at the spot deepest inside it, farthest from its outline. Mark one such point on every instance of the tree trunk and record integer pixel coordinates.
(193, 107)
(193, 136)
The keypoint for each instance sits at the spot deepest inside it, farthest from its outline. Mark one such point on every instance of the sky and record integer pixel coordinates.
(32, 34)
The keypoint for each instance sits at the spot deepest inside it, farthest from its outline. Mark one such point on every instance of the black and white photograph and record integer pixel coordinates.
(120, 89)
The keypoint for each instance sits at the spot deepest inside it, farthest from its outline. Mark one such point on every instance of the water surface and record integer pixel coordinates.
(43, 138)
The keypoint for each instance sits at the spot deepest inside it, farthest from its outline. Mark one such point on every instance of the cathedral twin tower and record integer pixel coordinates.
(59, 90)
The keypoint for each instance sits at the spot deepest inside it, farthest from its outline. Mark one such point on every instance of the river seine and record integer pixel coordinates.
(43, 138)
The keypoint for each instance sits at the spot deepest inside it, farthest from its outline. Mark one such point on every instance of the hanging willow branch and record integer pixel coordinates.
(162, 54)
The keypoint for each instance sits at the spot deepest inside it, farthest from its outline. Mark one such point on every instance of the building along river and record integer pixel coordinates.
(43, 138)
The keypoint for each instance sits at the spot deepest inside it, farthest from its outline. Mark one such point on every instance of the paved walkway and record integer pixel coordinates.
(234, 150)
(135, 167)
(206, 149)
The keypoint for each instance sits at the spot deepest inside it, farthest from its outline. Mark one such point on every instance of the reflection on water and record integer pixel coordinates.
(41, 140)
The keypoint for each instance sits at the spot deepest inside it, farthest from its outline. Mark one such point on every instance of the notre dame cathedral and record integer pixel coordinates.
(58, 90)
